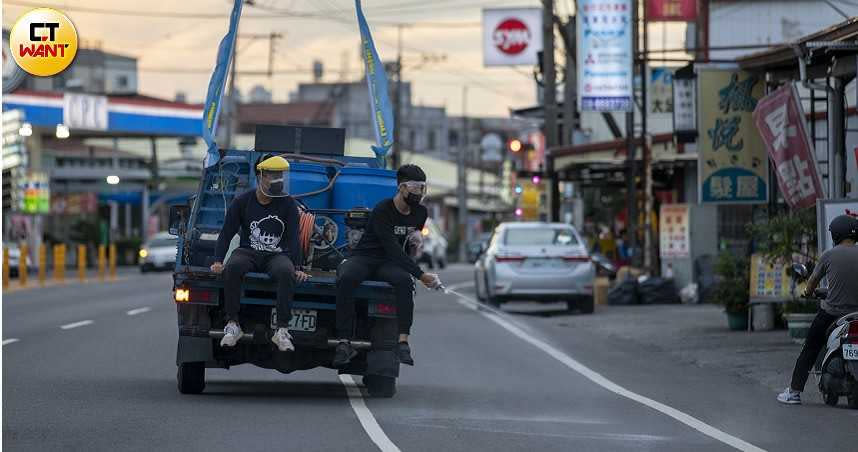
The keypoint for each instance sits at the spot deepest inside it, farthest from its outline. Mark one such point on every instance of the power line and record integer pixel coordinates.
(274, 14)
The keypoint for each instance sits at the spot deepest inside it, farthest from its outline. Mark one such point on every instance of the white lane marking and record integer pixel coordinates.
(597, 378)
(139, 311)
(76, 324)
(367, 420)
(11, 340)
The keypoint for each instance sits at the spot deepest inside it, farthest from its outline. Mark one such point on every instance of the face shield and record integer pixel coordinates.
(274, 184)
(414, 192)
(273, 177)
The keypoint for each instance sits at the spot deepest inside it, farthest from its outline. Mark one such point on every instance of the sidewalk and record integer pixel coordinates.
(71, 279)
(697, 335)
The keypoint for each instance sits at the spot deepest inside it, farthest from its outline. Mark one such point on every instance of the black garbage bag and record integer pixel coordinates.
(658, 291)
(625, 293)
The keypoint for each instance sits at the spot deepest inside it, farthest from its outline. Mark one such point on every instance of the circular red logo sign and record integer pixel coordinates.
(511, 36)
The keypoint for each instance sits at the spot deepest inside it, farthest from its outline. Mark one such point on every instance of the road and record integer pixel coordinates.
(93, 369)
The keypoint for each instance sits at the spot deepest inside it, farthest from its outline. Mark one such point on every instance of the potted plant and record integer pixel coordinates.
(799, 314)
(731, 290)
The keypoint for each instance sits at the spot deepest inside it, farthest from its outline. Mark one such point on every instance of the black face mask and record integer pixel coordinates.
(413, 200)
(275, 188)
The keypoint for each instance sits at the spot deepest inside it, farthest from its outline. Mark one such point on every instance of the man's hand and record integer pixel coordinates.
(430, 280)
(217, 267)
(301, 276)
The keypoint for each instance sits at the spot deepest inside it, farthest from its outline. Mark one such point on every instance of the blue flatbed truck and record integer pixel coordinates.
(198, 294)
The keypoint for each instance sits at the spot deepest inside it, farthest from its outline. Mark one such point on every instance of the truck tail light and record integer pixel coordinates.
(382, 308)
(187, 295)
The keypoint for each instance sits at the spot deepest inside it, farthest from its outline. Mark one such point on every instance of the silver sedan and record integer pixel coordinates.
(535, 261)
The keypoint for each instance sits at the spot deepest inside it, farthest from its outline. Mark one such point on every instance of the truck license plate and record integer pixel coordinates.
(302, 320)
(850, 351)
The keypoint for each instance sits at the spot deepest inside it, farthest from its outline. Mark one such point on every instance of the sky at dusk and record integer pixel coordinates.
(176, 42)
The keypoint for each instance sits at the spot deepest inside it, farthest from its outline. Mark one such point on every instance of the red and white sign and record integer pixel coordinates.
(780, 121)
(674, 231)
(671, 10)
(511, 36)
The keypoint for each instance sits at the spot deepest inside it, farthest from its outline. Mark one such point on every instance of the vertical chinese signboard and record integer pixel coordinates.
(780, 121)
(605, 63)
(660, 90)
(674, 240)
(671, 10)
(733, 166)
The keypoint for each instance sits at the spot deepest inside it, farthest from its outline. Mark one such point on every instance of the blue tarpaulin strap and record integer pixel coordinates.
(376, 79)
(214, 96)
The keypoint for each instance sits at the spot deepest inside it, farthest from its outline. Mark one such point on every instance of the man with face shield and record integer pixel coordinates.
(381, 256)
(266, 220)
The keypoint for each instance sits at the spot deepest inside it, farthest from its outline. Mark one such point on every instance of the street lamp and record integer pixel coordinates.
(62, 131)
(26, 130)
(112, 179)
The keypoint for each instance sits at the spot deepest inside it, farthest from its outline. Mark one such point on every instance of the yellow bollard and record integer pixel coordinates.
(43, 264)
(81, 263)
(101, 262)
(62, 262)
(55, 252)
(5, 267)
(112, 259)
(22, 266)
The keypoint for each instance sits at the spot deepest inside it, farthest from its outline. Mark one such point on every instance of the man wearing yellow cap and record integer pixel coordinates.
(266, 220)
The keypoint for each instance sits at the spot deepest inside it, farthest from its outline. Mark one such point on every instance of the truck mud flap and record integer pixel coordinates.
(382, 358)
(194, 349)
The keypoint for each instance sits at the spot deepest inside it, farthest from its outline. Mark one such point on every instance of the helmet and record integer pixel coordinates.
(843, 228)
(272, 173)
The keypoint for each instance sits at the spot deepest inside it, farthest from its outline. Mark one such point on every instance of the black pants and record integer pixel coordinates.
(357, 269)
(816, 339)
(278, 266)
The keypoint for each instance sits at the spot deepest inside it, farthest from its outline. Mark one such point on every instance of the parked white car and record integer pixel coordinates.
(158, 253)
(536, 261)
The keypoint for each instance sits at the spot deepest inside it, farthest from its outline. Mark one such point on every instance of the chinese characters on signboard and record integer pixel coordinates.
(674, 238)
(733, 166)
(780, 121)
(660, 92)
(671, 10)
(605, 63)
(769, 279)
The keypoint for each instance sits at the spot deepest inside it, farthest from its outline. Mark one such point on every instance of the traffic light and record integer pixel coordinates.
(515, 145)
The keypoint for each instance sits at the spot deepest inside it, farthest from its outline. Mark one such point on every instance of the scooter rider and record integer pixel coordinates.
(837, 264)
(380, 255)
(267, 221)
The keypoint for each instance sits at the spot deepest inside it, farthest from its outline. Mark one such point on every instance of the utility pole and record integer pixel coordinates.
(232, 118)
(462, 178)
(397, 103)
(570, 91)
(631, 161)
(550, 108)
(645, 142)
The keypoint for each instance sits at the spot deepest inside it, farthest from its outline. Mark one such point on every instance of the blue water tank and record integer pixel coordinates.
(360, 187)
(309, 177)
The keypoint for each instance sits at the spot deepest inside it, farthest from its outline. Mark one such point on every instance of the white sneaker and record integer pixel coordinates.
(231, 334)
(283, 340)
(790, 397)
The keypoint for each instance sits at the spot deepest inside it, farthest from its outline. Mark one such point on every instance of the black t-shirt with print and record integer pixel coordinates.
(270, 228)
(386, 233)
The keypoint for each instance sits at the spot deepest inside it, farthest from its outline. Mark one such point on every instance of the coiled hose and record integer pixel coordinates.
(306, 225)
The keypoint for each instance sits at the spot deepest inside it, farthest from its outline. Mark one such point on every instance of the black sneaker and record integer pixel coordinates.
(405, 354)
(343, 354)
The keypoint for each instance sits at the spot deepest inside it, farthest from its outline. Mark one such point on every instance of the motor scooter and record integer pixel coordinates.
(836, 368)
